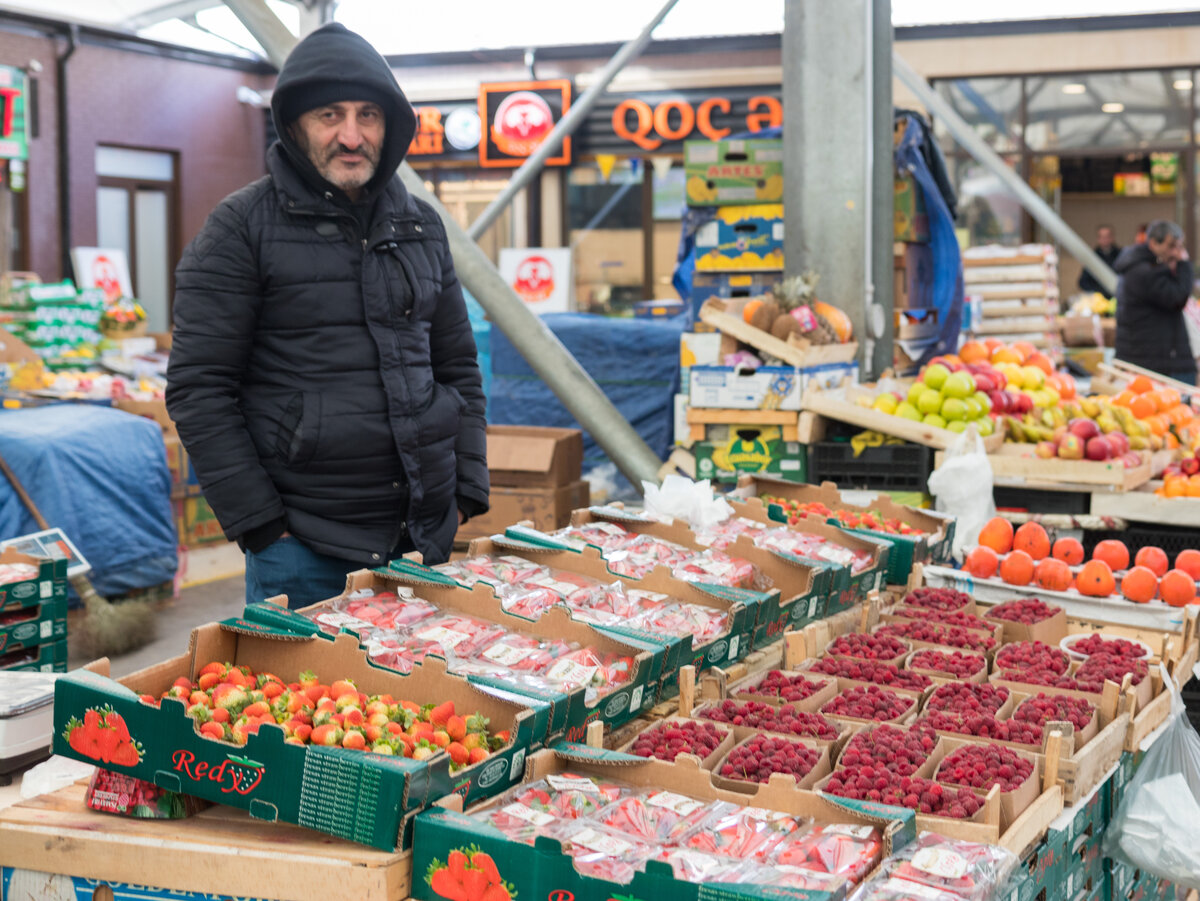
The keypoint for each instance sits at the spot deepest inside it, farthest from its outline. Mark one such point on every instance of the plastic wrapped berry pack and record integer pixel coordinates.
(747, 833)
(658, 817)
(601, 852)
(524, 653)
(598, 673)
(965, 870)
(838, 850)
(529, 810)
(718, 568)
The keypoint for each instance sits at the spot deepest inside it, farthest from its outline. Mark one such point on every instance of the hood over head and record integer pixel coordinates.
(334, 64)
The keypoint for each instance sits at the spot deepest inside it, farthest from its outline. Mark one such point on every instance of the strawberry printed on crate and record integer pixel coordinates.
(967, 697)
(103, 736)
(1032, 655)
(954, 663)
(785, 686)
(230, 703)
(868, 702)
(944, 617)
(1103, 666)
(755, 759)
(875, 783)
(841, 850)
(786, 719)
(669, 739)
(984, 725)
(745, 833)
(1118, 647)
(868, 647)
(982, 766)
(936, 598)
(949, 636)
(1043, 708)
(468, 875)
(900, 750)
(871, 671)
(1025, 610)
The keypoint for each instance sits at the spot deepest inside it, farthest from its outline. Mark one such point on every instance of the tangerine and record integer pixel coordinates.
(1112, 553)
(997, 534)
(1033, 540)
(1123, 398)
(1095, 579)
(1173, 397)
(982, 562)
(1025, 349)
(1178, 588)
(751, 308)
(1017, 568)
(1068, 550)
(1139, 585)
(1140, 385)
(1143, 407)
(1006, 355)
(1154, 559)
(973, 352)
(1052, 574)
(1189, 561)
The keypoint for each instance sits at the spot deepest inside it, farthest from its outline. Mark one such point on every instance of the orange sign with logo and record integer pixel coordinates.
(517, 116)
(535, 279)
(649, 126)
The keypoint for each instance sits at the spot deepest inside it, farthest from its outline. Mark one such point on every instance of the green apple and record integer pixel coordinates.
(934, 420)
(1032, 377)
(984, 401)
(885, 403)
(954, 408)
(985, 426)
(959, 384)
(956, 425)
(908, 411)
(974, 408)
(930, 401)
(915, 390)
(936, 375)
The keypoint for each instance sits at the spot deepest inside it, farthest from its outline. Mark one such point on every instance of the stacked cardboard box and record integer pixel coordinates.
(33, 616)
(535, 475)
(62, 325)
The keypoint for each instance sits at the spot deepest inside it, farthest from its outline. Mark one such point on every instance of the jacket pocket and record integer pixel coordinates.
(299, 429)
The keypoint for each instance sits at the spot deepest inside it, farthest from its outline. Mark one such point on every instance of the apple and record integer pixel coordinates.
(999, 401)
(914, 391)
(1024, 403)
(953, 408)
(958, 385)
(906, 410)
(1098, 448)
(1070, 447)
(984, 382)
(935, 376)
(1047, 450)
(984, 399)
(1132, 460)
(1120, 443)
(956, 425)
(930, 401)
(1084, 428)
(934, 420)
(1190, 466)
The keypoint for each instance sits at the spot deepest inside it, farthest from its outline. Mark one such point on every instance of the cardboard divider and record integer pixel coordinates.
(275, 780)
(822, 768)
(980, 675)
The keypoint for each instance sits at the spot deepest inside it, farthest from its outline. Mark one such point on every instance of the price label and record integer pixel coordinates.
(528, 814)
(600, 842)
(507, 654)
(571, 672)
(941, 862)
(573, 784)
(447, 638)
(678, 803)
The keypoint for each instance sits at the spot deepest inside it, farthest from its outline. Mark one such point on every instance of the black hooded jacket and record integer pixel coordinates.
(1150, 301)
(323, 375)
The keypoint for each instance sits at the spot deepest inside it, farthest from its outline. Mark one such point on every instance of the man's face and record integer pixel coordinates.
(1164, 249)
(343, 140)
(1104, 237)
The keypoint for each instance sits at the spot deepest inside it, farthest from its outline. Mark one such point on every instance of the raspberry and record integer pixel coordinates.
(985, 726)
(919, 794)
(868, 647)
(937, 599)
(868, 702)
(1026, 610)
(1118, 647)
(1032, 655)
(1101, 666)
(783, 685)
(1043, 708)
(870, 671)
(946, 618)
(757, 758)
(967, 698)
(982, 766)
(931, 633)
(766, 718)
(666, 741)
(954, 663)
(901, 750)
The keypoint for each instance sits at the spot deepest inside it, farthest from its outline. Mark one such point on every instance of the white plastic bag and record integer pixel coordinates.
(962, 486)
(1156, 826)
(681, 498)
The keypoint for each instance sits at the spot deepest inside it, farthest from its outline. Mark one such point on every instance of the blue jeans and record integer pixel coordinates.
(288, 566)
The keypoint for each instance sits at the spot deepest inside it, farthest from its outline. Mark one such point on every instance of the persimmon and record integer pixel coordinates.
(1154, 559)
(1177, 588)
(1095, 579)
(1033, 540)
(982, 562)
(1068, 550)
(997, 534)
(1139, 585)
(1143, 407)
(1140, 385)
(1113, 553)
(1189, 561)
(1017, 568)
(1052, 574)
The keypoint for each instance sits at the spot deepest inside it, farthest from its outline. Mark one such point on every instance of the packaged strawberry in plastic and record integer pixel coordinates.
(721, 535)
(526, 812)
(601, 852)
(524, 653)
(840, 849)
(457, 634)
(110, 792)
(696, 866)
(702, 623)
(598, 672)
(890, 889)
(638, 556)
(718, 568)
(604, 535)
(493, 569)
(747, 833)
(966, 870)
(400, 609)
(658, 817)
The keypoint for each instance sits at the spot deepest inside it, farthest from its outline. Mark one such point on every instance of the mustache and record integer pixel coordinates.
(371, 154)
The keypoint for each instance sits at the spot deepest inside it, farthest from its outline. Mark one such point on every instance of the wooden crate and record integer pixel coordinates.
(699, 418)
(1018, 465)
(220, 851)
(1145, 506)
(725, 316)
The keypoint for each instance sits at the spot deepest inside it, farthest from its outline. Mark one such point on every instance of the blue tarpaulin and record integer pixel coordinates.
(101, 476)
(634, 361)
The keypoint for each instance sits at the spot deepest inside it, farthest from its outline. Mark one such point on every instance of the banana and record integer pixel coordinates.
(1091, 409)
(1138, 442)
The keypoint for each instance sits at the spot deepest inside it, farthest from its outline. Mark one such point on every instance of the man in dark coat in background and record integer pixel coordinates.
(1155, 282)
(323, 376)
(1106, 248)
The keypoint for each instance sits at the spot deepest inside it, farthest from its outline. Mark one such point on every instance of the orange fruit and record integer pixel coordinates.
(751, 308)
(997, 534)
(1192, 488)
(1041, 361)
(1068, 550)
(982, 562)
(1140, 385)
(1025, 349)
(1143, 407)
(1053, 575)
(1171, 395)
(1123, 398)
(1175, 487)
(973, 352)
(1112, 552)
(1095, 579)
(1189, 562)
(1017, 568)
(992, 344)
(1006, 355)
(1068, 386)
(1154, 559)
(1139, 585)
(1178, 588)
(1033, 540)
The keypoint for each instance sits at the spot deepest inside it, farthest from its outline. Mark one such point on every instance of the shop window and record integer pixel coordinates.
(605, 212)
(136, 203)
(992, 106)
(988, 213)
(1114, 109)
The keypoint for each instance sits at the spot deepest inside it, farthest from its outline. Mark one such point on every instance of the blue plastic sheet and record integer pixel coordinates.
(101, 476)
(634, 361)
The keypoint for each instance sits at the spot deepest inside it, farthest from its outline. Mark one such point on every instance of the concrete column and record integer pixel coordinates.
(838, 161)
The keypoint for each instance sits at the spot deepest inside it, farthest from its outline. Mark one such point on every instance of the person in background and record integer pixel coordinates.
(1106, 248)
(1155, 284)
(323, 376)
(1139, 237)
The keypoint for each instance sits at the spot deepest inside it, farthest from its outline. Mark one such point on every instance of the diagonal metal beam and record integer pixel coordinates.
(179, 9)
(567, 124)
(260, 20)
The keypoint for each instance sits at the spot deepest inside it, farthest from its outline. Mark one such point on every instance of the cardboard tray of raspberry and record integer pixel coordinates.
(799, 591)
(1143, 693)
(845, 682)
(980, 675)
(747, 689)
(1050, 630)
(1012, 803)
(917, 644)
(820, 770)
(717, 753)
(890, 617)
(898, 660)
(907, 716)
(845, 728)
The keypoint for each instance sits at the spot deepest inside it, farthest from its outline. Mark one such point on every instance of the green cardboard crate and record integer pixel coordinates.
(733, 172)
(375, 795)
(50, 657)
(767, 454)
(49, 583)
(1038, 874)
(542, 870)
(25, 627)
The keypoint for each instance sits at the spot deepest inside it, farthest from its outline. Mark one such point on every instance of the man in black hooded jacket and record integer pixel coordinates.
(323, 376)
(1155, 285)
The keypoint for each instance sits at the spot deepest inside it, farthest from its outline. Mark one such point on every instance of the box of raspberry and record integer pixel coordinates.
(876, 648)
(948, 665)
(670, 737)
(760, 757)
(980, 766)
(803, 690)
(872, 704)
(1029, 619)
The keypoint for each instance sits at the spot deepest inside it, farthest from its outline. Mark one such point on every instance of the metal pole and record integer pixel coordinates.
(541, 348)
(533, 340)
(567, 124)
(985, 156)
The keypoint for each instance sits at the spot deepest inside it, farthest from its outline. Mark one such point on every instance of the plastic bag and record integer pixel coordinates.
(680, 498)
(1155, 827)
(962, 486)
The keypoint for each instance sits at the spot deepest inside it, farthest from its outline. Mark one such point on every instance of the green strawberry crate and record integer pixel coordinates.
(50, 657)
(49, 582)
(26, 627)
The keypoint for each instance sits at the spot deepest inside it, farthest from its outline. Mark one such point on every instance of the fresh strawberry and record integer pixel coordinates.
(440, 715)
(456, 726)
(212, 730)
(458, 754)
(477, 754)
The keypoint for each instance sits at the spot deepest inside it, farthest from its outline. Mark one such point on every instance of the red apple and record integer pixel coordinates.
(1120, 443)
(1190, 466)
(1070, 447)
(999, 401)
(984, 383)
(1024, 403)
(1047, 450)
(1084, 428)
(1098, 448)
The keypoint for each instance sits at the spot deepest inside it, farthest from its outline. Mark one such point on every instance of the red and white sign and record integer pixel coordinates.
(541, 276)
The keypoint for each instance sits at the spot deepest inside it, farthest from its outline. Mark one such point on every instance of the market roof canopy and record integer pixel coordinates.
(411, 26)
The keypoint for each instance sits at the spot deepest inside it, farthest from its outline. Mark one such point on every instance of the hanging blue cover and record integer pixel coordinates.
(101, 476)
